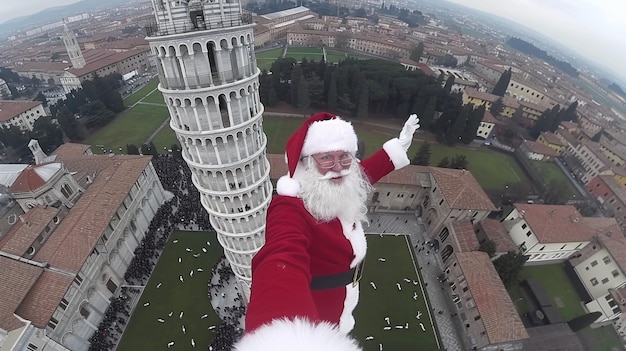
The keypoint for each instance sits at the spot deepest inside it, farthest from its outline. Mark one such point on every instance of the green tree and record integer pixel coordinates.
(72, 128)
(296, 77)
(47, 133)
(316, 90)
(422, 156)
(272, 98)
(583, 321)
(332, 94)
(303, 100)
(509, 267)
(454, 133)
(131, 149)
(497, 107)
(473, 123)
(488, 246)
(449, 83)
(42, 98)
(502, 84)
(427, 117)
(362, 105)
(459, 162)
(417, 53)
(444, 163)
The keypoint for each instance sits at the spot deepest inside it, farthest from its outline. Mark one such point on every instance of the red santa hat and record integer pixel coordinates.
(322, 132)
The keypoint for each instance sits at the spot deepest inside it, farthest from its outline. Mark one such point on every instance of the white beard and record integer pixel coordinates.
(326, 200)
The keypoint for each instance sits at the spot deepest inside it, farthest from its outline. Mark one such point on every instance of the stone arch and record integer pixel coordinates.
(447, 252)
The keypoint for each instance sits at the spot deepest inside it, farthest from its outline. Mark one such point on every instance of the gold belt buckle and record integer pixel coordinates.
(358, 274)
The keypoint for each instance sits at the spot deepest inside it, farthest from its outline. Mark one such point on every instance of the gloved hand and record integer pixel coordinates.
(406, 134)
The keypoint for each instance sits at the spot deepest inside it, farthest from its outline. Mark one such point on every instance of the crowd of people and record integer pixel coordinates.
(225, 336)
(115, 318)
(222, 280)
(183, 211)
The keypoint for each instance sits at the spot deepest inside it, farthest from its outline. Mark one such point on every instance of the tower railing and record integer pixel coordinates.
(205, 80)
(154, 29)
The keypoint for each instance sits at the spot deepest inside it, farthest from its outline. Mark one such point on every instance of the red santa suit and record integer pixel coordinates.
(300, 251)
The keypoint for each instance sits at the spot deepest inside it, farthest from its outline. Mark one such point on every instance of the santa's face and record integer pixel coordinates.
(338, 191)
(331, 165)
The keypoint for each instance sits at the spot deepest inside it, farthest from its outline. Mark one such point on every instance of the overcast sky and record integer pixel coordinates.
(11, 8)
(595, 29)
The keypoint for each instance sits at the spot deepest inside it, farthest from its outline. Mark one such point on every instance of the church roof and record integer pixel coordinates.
(34, 177)
(17, 279)
(10, 172)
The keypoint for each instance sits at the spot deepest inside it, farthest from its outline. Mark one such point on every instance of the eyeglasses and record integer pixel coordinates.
(328, 161)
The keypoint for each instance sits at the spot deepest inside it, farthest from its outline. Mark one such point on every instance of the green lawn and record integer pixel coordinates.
(557, 285)
(139, 94)
(549, 171)
(144, 332)
(493, 170)
(132, 126)
(155, 97)
(165, 138)
(335, 55)
(300, 53)
(387, 301)
(264, 59)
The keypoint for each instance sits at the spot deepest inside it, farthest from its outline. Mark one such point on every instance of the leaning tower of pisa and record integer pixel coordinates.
(208, 76)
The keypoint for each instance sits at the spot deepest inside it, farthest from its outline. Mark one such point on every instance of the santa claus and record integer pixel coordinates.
(305, 279)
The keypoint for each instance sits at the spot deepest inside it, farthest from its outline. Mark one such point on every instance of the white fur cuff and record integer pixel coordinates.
(396, 153)
(298, 334)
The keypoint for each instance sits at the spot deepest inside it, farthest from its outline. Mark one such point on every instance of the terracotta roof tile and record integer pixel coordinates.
(497, 311)
(461, 190)
(496, 232)
(562, 223)
(27, 181)
(16, 279)
(540, 148)
(464, 232)
(76, 236)
(25, 232)
(71, 150)
(44, 297)
(11, 108)
(551, 138)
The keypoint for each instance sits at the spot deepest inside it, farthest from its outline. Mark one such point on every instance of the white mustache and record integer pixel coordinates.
(331, 174)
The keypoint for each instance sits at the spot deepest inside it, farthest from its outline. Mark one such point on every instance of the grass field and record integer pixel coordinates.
(132, 126)
(139, 94)
(155, 98)
(558, 286)
(144, 332)
(299, 53)
(549, 171)
(335, 55)
(264, 59)
(387, 301)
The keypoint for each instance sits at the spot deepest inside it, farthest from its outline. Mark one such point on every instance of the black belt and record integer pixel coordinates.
(338, 280)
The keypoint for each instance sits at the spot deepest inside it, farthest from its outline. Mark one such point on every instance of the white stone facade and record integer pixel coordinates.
(209, 80)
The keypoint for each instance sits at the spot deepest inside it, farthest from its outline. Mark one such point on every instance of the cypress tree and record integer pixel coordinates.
(422, 156)
(502, 84)
(332, 94)
(303, 100)
(427, 117)
(362, 105)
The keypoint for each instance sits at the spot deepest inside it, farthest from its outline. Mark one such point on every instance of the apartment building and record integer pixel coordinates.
(586, 160)
(477, 98)
(551, 233)
(21, 114)
(601, 268)
(552, 141)
(612, 196)
(489, 317)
